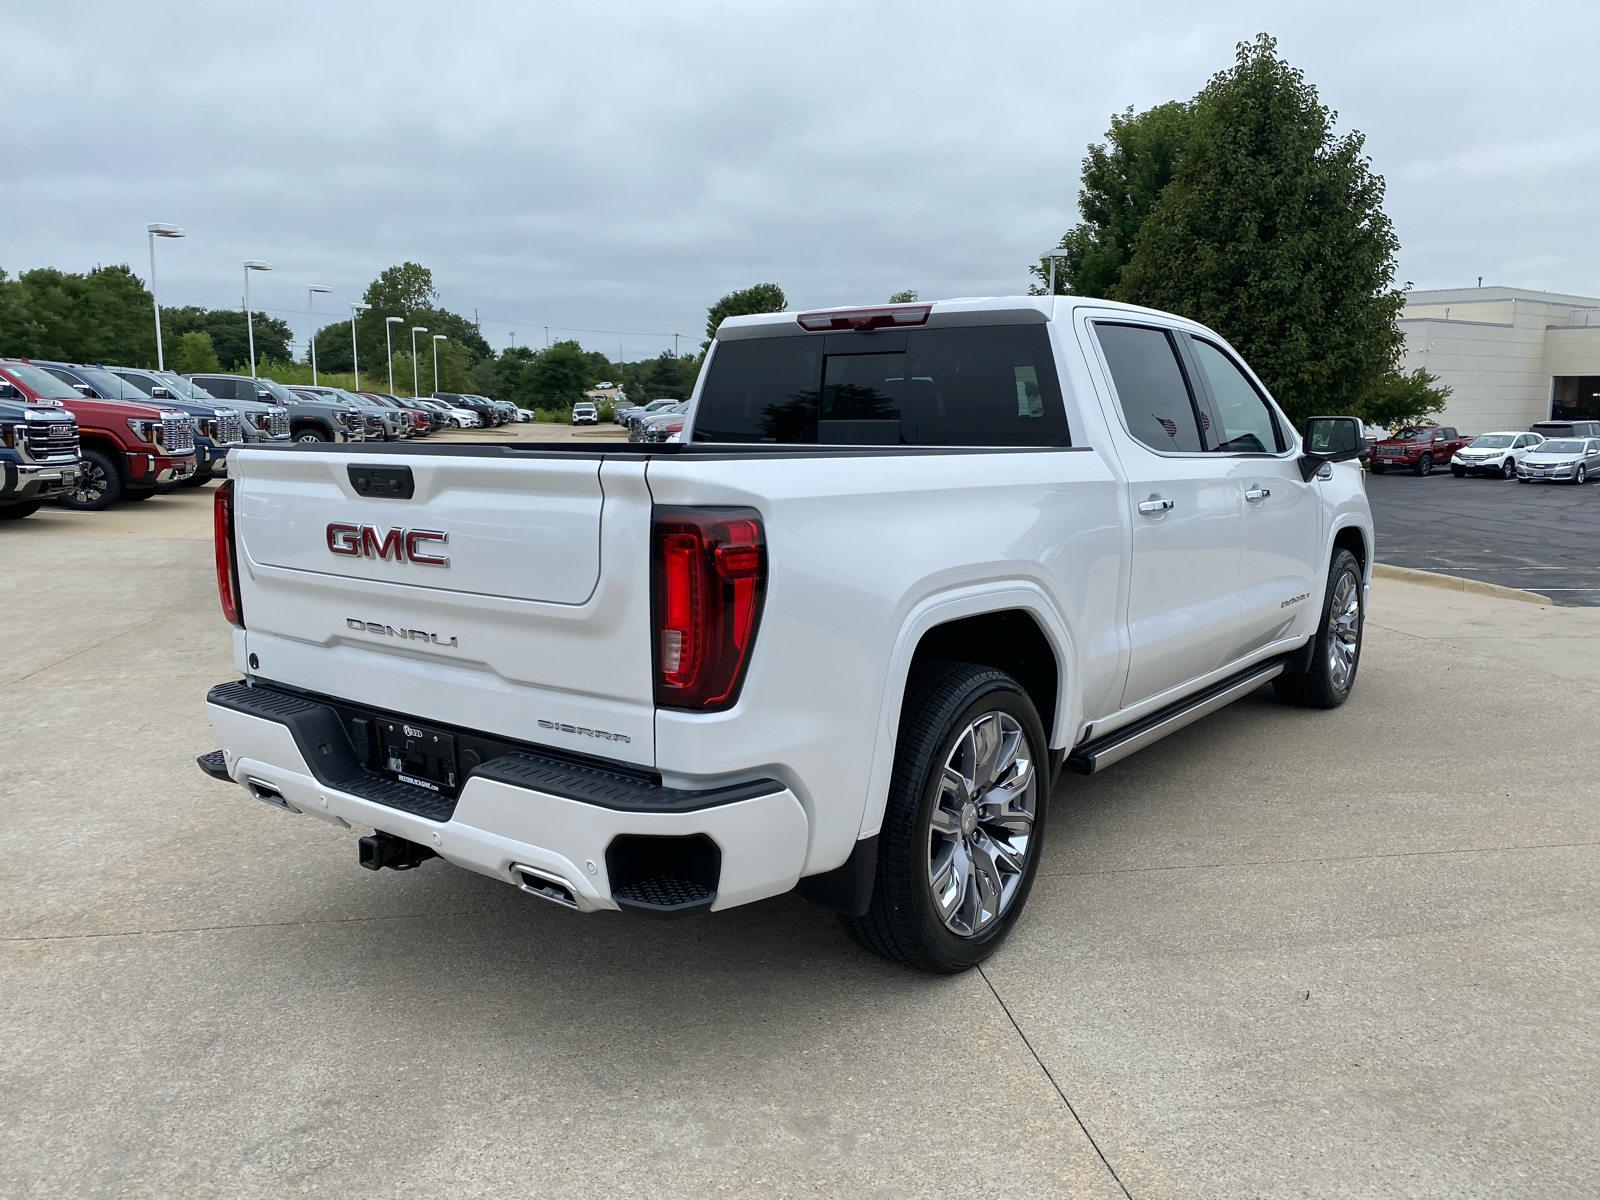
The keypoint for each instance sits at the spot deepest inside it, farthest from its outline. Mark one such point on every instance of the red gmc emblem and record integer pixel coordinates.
(401, 545)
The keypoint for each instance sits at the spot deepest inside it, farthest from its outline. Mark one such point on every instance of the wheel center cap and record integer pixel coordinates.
(969, 819)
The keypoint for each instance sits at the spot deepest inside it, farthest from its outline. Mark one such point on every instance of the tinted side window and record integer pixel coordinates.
(1247, 424)
(1150, 387)
(222, 389)
(990, 386)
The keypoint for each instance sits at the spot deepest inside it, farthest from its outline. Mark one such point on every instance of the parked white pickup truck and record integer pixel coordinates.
(910, 563)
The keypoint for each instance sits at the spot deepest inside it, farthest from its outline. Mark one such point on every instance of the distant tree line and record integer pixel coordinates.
(106, 316)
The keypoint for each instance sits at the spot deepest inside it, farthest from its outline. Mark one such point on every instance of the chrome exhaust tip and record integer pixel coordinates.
(543, 883)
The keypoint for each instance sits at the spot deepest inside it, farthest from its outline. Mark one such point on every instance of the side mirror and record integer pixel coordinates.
(1331, 440)
(84, 390)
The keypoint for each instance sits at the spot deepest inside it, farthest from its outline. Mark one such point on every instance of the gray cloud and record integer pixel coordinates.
(620, 166)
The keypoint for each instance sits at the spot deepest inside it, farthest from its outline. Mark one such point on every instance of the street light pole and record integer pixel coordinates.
(355, 356)
(1053, 256)
(159, 229)
(388, 324)
(251, 264)
(437, 338)
(416, 387)
(311, 295)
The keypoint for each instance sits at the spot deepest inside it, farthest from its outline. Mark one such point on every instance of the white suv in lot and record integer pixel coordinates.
(1494, 454)
(910, 564)
(585, 413)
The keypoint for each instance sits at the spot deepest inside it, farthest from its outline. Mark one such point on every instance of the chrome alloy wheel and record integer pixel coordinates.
(1344, 630)
(982, 827)
(92, 482)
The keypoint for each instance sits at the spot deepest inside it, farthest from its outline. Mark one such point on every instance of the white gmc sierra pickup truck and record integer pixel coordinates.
(910, 563)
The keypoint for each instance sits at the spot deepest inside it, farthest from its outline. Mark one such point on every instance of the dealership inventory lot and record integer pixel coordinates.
(1280, 953)
(1540, 537)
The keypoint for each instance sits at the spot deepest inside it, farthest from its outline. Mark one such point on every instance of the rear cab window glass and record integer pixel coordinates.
(978, 386)
(1151, 388)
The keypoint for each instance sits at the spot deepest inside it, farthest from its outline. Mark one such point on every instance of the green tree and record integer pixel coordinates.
(19, 332)
(405, 291)
(1122, 180)
(762, 298)
(225, 327)
(104, 315)
(1404, 399)
(194, 354)
(906, 297)
(1272, 232)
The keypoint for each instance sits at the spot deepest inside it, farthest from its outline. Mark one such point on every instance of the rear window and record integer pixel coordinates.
(984, 386)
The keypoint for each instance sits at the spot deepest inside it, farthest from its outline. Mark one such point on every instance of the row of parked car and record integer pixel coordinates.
(657, 421)
(1557, 451)
(87, 435)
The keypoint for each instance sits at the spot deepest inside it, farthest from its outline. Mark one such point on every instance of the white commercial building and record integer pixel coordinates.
(1510, 356)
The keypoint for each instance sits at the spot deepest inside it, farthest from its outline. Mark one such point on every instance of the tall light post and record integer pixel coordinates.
(388, 324)
(1053, 256)
(251, 264)
(437, 338)
(355, 356)
(159, 229)
(311, 295)
(416, 390)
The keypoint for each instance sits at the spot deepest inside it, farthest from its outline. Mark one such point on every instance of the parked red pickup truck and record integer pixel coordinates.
(129, 450)
(1419, 447)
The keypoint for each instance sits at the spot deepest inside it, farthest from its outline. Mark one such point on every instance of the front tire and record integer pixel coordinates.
(15, 512)
(1459, 472)
(1580, 476)
(1508, 469)
(959, 846)
(1378, 468)
(1336, 646)
(1424, 465)
(99, 485)
(311, 434)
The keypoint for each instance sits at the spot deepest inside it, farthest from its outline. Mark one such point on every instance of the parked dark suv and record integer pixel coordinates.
(487, 413)
(1566, 429)
(302, 420)
(38, 457)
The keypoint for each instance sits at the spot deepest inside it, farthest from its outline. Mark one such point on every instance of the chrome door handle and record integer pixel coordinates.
(1258, 493)
(1155, 504)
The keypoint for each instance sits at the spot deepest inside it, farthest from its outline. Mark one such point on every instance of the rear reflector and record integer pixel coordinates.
(227, 556)
(893, 316)
(709, 567)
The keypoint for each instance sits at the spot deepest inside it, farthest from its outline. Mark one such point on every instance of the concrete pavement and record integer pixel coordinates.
(1281, 953)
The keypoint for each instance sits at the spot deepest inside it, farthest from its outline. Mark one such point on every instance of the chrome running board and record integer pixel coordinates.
(1088, 757)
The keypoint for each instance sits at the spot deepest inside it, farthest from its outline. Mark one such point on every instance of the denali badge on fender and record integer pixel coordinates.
(402, 545)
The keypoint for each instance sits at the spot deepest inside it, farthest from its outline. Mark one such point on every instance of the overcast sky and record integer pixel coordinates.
(618, 167)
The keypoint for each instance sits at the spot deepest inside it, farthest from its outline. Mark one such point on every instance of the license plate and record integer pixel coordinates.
(417, 754)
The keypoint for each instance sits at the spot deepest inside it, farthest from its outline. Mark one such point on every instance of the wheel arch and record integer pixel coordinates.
(94, 440)
(1014, 627)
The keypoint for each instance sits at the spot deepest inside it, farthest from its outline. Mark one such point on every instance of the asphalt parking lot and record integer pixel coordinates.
(1540, 537)
(1281, 953)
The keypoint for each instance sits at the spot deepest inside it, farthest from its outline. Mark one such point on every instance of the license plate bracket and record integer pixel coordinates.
(416, 754)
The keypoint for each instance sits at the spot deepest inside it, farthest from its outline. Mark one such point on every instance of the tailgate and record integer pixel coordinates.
(463, 589)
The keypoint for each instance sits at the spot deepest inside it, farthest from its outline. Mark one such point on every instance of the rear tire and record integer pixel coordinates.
(1424, 465)
(959, 844)
(99, 485)
(1336, 646)
(15, 512)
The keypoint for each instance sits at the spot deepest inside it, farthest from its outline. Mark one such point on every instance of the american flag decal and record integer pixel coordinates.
(1170, 426)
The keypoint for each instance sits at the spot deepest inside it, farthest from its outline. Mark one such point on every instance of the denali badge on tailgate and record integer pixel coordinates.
(402, 545)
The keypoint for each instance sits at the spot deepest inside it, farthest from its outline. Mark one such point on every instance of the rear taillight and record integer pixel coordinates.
(710, 574)
(227, 556)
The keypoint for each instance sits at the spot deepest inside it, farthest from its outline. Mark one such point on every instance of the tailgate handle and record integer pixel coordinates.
(387, 483)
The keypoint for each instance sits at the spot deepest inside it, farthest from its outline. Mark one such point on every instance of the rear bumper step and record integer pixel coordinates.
(1089, 757)
(576, 834)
